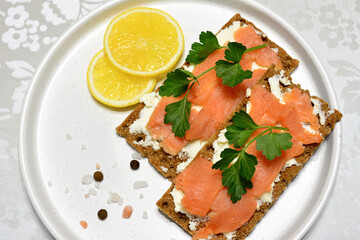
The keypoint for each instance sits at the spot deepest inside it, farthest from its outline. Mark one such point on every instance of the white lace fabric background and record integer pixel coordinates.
(28, 28)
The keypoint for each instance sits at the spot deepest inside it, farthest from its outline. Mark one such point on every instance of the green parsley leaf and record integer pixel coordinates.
(238, 177)
(200, 51)
(237, 135)
(231, 73)
(232, 180)
(178, 114)
(234, 52)
(241, 129)
(243, 120)
(271, 144)
(227, 156)
(176, 84)
(247, 165)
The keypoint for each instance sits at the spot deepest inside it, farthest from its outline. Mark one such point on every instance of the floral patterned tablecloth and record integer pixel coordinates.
(28, 28)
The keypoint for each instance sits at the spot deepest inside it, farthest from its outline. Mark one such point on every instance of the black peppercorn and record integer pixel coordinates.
(134, 164)
(102, 214)
(98, 176)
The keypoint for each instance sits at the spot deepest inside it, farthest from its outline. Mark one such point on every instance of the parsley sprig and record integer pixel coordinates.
(178, 113)
(237, 177)
(178, 81)
(200, 51)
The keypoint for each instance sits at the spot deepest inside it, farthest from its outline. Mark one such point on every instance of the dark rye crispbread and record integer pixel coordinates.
(159, 158)
(166, 203)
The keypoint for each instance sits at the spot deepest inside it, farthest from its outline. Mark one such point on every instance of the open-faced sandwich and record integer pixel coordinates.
(230, 130)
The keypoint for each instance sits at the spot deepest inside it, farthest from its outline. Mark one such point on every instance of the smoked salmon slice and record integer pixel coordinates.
(226, 216)
(263, 57)
(162, 132)
(222, 102)
(267, 110)
(156, 126)
(267, 171)
(304, 107)
(201, 184)
(200, 93)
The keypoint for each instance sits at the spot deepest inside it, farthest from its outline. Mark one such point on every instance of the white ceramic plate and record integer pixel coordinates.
(64, 132)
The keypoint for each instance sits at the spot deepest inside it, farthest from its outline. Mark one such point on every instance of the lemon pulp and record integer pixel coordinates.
(113, 87)
(144, 42)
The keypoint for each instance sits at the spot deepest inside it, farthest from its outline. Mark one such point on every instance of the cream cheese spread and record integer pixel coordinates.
(150, 101)
(317, 110)
(189, 152)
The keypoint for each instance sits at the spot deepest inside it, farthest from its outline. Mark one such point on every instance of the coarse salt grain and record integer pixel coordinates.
(127, 211)
(68, 136)
(140, 184)
(136, 156)
(83, 224)
(87, 179)
(145, 215)
(92, 192)
(141, 196)
(115, 198)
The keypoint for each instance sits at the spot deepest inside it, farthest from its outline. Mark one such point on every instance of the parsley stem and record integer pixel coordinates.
(187, 93)
(204, 72)
(274, 127)
(255, 48)
(269, 129)
(254, 139)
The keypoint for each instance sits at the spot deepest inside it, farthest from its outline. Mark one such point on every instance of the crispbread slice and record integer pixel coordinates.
(166, 203)
(164, 162)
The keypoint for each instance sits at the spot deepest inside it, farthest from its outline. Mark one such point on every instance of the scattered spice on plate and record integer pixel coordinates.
(98, 176)
(134, 164)
(140, 184)
(92, 192)
(97, 166)
(115, 198)
(87, 179)
(102, 214)
(145, 215)
(83, 224)
(127, 211)
(68, 136)
(136, 155)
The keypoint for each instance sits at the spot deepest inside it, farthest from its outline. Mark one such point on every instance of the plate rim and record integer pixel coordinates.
(337, 133)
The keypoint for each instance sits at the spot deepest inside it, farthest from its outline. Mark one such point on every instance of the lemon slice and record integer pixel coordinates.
(113, 87)
(144, 42)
